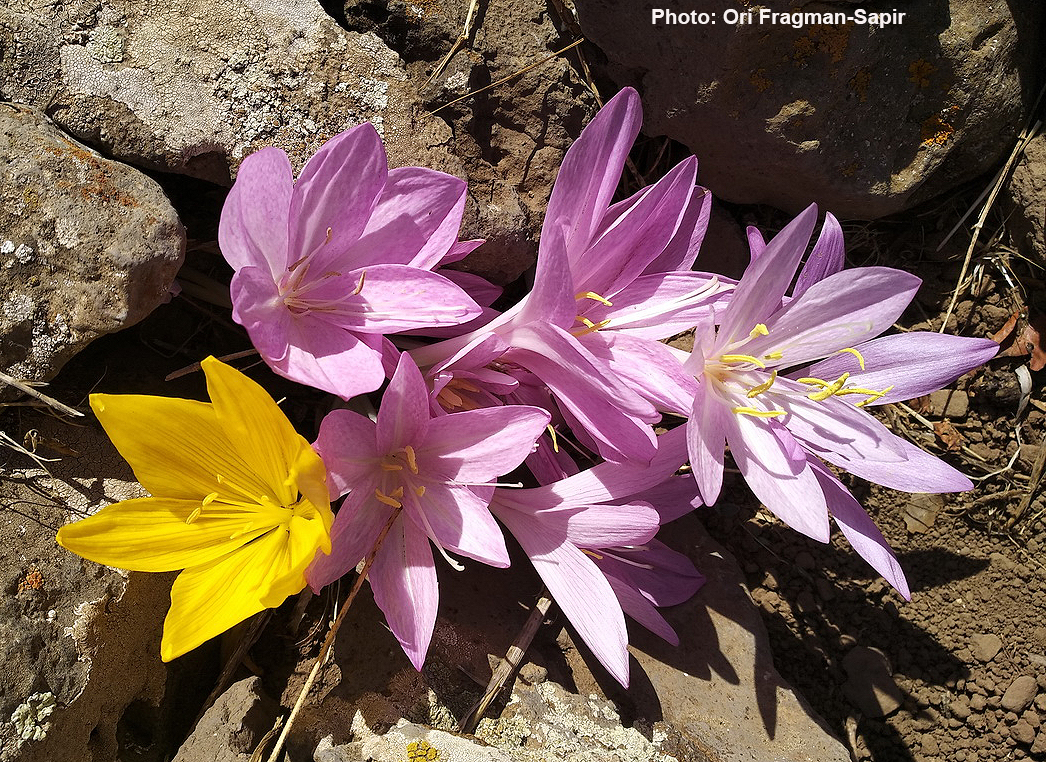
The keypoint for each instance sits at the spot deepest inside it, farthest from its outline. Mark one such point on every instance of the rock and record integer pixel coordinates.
(870, 684)
(1023, 733)
(920, 511)
(984, 647)
(233, 727)
(1019, 694)
(74, 633)
(1039, 746)
(785, 116)
(949, 403)
(88, 246)
(406, 741)
(1026, 192)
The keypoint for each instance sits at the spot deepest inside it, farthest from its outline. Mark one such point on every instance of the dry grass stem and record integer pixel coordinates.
(466, 32)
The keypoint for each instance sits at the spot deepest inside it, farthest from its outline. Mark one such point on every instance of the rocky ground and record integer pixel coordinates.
(167, 102)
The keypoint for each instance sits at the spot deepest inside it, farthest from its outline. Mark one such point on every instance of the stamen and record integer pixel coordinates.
(194, 515)
(585, 320)
(385, 466)
(330, 234)
(742, 358)
(294, 266)
(447, 398)
(552, 433)
(855, 353)
(383, 498)
(759, 330)
(755, 413)
(827, 389)
(873, 395)
(765, 386)
(412, 460)
(592, 328)
(419, 491)
(775, 355)
(398, 492)
(592, 553)
(359, 287)
(594, 296)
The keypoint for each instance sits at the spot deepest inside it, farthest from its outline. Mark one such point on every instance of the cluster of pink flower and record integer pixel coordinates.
(329, 266)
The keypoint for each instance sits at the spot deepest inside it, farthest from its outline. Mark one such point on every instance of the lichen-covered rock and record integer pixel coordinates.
(88, 246)
(79, 642)
(864, 120)
(233, 727)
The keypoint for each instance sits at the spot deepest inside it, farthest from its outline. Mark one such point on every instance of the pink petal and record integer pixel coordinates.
(682, 250)
(415, 221)
(256, 305)
(403, 579)
(346, 443)
(254, 221)
(664, 576)
(920, 472)
(706, 443)
(579, 588)
(353, 534)
(641, 610)
(676, 496)
(337, 191)
(840, 311)
(460, 521)
(403, 417)
(481, 445)
(913, 364)
(647, 367)
(783, 484)
(591, 169)
(764, 283)
(460, 250)
(827, 258)
(482, 291)
(860, 530)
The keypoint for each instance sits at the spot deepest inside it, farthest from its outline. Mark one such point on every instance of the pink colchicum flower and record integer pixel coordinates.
(424, 467)
(610, 280)
(326, 265)
(590, 538)
(775, 423)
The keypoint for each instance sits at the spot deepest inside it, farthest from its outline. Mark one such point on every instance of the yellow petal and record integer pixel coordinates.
(150, 534)
(176, 447)
(208, 600)
(256, 426)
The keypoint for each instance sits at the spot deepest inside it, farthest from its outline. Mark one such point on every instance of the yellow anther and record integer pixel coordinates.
(386, 466)
(757, 390)
(209, 499)
(330, 234)
(592, 327)
(595, 297)
(775, 355)
(592, 553)
(359, 286)
(585, 321)
(383, 498)
(827, 389)
(194, 515)
(743, 358)
(463, 384)
(412, 459)
(872, 395)
(855, 353)
(419, 491)
(297, 262)
(447, 398)
(756, 413)
(759, 330)
(552, 433)
(397, 493)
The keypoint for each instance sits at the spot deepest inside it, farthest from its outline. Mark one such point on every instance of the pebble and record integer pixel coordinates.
(985, 646)
(870, 683)
(1020, 694)
(1023, 733)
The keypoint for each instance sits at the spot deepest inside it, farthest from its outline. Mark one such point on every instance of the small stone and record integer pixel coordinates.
(930, 748)
(1039, 746)
(870, 684)
(1022, 733)
(977, 703)
(949, 403)
(1020, 694)
(985, 646)
(960, 708)
(1031, 717)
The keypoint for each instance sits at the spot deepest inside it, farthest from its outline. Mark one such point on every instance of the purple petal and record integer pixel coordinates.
(764, 283)
(664, 576)
(403, 417)
(551, 299)
(403, 579)
(481, 290)
(580, 589)
(827, 258)
(642, 610)
(593, 526)
(336, 192)
(353, 534)
(682, 250)
(756, 243)
(783, 484)
(920, 472)
(460, 250)
(481, 445)
(647, 367)
(913, 364)
(415, 221)
(254, 221)
(621, 253)
(860, 530)
(256, 305)
(674, 497)
(460, 521)
(706, 443)
(346, 443)
(590, 171)
(840, 311)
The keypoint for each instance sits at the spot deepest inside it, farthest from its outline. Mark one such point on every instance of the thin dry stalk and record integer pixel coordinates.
(196, 367)
(509, 664)
(328, 642)
(25, 388)
(1033, 486)
(513, 75)
(466, 32)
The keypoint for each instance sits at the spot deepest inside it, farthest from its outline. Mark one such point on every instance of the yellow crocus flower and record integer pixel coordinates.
(239, 501)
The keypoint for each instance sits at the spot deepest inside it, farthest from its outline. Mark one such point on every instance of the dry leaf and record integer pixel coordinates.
(1031, 338)
(949, 435)
(1007, 328)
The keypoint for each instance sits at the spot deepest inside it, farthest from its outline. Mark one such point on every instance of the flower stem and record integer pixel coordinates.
(329, 640)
